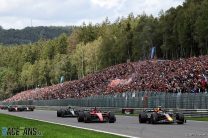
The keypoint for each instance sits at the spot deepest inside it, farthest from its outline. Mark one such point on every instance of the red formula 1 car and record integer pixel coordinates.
(3, 107)
(95, 115)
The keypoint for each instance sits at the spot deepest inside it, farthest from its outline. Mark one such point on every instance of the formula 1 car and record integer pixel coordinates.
(28, 108)
(3, 107)
(158, 115)
(68, 112)
(95, 115)
(20, 108)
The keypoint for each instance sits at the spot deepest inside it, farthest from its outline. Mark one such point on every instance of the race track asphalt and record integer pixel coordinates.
(127, 125)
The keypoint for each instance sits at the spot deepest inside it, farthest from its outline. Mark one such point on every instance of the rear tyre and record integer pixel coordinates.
(154, 118)
(180, 118)
(112, 117)
(80, 117)
(62, 113)
(58, 113)
(142, 118)
(86, 117)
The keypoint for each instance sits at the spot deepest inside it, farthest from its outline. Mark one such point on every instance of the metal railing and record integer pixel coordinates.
(130, 100)
(136, 111)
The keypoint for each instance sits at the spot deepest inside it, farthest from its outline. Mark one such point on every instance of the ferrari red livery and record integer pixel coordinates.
(95, 115)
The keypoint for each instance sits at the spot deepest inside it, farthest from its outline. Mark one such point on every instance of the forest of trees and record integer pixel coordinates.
(179, 32)
(31, 34)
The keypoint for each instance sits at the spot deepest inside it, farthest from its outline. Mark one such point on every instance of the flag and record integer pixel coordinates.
(152, 52)
(62, 79)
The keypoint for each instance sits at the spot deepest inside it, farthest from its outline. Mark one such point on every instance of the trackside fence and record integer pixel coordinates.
(130, 100)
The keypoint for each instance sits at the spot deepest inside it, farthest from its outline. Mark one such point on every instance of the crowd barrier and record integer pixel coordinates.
(136, 111)
(130, 100)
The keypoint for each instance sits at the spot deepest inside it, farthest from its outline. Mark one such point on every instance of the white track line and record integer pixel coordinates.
(117, 134)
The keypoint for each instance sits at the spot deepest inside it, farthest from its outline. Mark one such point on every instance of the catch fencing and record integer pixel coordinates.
(130, 100)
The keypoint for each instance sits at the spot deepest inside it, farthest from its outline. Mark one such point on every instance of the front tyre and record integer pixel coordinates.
(180, 118)
(112, 117)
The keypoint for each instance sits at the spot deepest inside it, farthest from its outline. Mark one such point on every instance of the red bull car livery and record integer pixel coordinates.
(158, 115)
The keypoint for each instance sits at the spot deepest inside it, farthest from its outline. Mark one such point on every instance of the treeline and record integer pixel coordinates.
(29, 66)
(177, 33)
(31, 34)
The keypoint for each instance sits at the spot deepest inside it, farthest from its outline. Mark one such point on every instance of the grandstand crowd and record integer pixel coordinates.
(183, 75)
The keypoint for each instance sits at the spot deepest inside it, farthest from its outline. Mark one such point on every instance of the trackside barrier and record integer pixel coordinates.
(54, 108)
(195, 112)
(186, 112)
(130, 100)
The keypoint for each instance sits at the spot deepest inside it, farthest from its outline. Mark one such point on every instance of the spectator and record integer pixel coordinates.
(183, 75)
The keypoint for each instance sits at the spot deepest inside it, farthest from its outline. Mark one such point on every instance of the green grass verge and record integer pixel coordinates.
(197, 118)
(49, 130)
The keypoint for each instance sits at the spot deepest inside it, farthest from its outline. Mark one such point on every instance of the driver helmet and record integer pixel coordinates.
(159, 108)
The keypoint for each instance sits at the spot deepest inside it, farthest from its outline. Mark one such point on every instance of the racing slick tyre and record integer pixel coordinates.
(86, 117)
(59, 113)
(62, 113)
(80, 117)
(180, 118)
(112, 118)
(11, 109)
(154, 118)
(142, 118)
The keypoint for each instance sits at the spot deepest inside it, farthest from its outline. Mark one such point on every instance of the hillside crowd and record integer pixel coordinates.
(183, 75)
